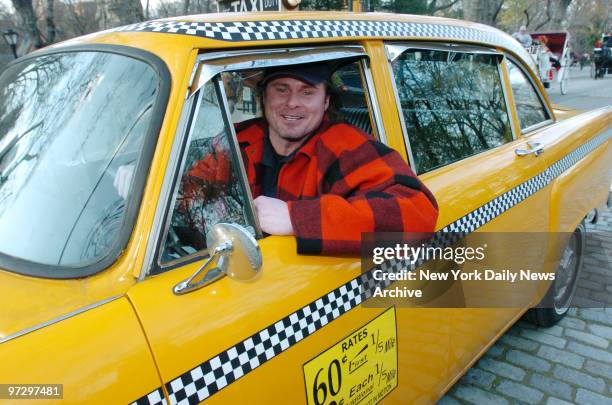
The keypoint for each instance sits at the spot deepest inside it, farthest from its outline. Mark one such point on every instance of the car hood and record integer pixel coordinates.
(30, 303)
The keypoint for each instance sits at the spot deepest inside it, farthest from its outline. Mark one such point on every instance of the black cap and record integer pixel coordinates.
(312, 73)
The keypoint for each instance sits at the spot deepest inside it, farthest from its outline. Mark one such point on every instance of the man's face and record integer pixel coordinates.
(293, 108)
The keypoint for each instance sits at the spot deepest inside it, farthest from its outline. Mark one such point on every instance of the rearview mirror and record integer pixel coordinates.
(237, 253)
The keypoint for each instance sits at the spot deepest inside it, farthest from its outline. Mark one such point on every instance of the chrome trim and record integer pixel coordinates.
(515, 131)
(166, 190)
(215, 63)
(369, 82)
(535, 148)
(210, 56)
(398, 106)
(58, 319)
(237, 157)
(592, 216)
(534, 86)
(537, 126)
(212, 275)
(395, 49)
(174, 173)
(194, 71)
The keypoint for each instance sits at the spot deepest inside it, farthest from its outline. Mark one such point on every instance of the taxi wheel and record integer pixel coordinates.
(556, 303)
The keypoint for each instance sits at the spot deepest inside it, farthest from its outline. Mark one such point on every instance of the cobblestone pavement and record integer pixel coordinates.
(568, 363)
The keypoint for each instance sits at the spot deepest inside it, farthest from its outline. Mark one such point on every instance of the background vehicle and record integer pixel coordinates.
(602, 58)
(557, 46)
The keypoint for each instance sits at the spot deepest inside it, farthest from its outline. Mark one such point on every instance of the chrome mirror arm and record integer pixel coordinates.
(213, 274)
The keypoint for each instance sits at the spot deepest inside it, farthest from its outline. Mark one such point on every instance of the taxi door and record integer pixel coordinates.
(463, 142)
(295, 333)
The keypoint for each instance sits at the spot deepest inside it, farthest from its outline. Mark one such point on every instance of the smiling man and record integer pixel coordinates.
(325, 182)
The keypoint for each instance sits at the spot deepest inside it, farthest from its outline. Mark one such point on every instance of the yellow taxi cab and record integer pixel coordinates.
(107, 289)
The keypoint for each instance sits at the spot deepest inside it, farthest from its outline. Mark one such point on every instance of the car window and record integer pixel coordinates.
(209, 190)
(348, 103)
(68, 122)
(529, 107)
(452, 105)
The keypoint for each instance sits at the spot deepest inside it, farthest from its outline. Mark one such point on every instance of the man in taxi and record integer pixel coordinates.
(324, 182)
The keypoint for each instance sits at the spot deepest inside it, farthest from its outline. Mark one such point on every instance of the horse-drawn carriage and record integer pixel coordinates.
(551, 54)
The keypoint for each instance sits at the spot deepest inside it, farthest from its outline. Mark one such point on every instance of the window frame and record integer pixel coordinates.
(394, 49)
(211, 64)
(28, 268)
(551, 120)
(176, 168)
(207, 67)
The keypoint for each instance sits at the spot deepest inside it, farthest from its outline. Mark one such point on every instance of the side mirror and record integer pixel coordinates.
(237, 253)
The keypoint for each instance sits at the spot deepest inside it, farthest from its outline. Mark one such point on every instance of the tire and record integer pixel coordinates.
(546, 85)
(559, 296)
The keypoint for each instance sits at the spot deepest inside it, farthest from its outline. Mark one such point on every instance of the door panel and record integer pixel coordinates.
(189, 330)
(456, 121)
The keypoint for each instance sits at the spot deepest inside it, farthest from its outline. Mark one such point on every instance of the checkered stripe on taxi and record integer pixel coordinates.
(154, 398)
(239, 31)
(213, 375)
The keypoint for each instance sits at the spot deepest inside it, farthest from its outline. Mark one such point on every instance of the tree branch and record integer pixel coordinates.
(548, 17)
(438, 8)
(499, 6)
(50, 20)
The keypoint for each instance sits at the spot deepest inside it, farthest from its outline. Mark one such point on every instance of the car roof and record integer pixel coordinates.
(278, 28)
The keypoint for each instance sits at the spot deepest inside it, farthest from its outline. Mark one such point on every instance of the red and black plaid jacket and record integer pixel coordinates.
(340, 183)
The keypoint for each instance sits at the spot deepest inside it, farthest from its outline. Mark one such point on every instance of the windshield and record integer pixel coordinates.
(68, 122)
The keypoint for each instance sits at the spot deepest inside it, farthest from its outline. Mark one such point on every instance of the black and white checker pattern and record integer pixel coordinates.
(154, 398)
(239, 31)
(223, 369)
(213, 375)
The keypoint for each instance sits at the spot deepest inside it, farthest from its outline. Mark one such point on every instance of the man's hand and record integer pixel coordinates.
(273, 216)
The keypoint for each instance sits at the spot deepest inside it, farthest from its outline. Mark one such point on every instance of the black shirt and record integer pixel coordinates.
(272, 163)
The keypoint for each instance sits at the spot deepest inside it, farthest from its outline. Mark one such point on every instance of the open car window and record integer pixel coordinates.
(211, 185)
(349, 101)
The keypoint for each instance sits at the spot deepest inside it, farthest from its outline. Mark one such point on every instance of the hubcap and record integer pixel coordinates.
(567, 273)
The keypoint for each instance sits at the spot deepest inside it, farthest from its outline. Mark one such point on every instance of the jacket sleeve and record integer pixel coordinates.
(367, 189)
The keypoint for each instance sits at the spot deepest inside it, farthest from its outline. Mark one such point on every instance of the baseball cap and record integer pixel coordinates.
(312, 73)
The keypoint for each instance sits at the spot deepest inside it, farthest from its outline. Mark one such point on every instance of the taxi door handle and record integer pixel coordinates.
(535, 148)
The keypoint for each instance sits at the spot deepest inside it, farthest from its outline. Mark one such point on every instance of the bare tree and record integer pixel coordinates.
(25, 9)
(123, 12)
(78, 17)
(433, 6)
(483, 11)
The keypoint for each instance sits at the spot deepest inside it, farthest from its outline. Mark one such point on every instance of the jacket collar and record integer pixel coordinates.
(253, 132)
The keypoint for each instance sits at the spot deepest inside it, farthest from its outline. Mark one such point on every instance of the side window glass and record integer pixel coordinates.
(452, 105)
(348, 103)
(529, 107)
(209, 189)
